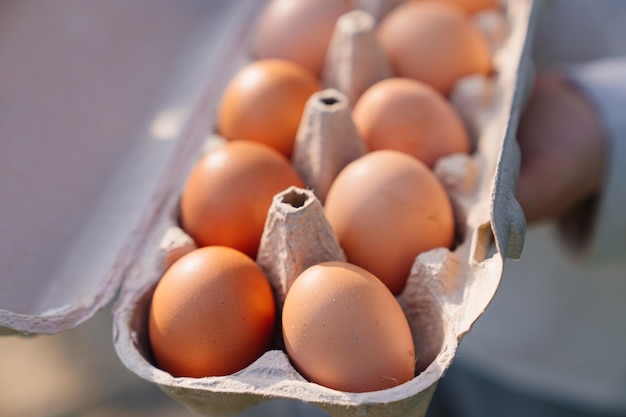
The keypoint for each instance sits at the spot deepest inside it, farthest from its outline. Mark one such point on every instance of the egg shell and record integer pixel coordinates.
(386, 208)
(298, 30)
(212, 313)
(410, 116)
(473, 6)
(229, 191)
(264, 102)
(433, 42)
(345, 330)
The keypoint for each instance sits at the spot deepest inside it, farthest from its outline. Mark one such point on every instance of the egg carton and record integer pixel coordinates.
(447, 290)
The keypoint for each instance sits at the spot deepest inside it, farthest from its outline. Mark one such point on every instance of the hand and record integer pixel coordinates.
(563, 149)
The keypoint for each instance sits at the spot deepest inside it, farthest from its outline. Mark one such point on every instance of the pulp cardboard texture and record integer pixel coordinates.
(446, 292)
(74, 208)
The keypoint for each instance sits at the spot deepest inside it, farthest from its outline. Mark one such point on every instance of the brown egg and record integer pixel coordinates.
(386, 208)
(344, 330)
(298, 30)
(412, 117)
(433, 42)
(229, 191)
(212, 314)
(264, 103)
(472, 6)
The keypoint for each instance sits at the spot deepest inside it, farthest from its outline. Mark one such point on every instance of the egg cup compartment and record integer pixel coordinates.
(447, 289)
(272, 375)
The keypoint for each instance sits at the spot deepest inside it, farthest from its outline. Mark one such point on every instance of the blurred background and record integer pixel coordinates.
(75, 373)
(76, 69)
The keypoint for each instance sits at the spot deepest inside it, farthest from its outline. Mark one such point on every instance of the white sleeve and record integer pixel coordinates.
(604, 83)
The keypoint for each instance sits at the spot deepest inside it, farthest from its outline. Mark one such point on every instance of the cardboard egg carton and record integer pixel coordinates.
(447, 290)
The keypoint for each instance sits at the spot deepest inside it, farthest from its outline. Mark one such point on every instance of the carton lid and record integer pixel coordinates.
(92, 112)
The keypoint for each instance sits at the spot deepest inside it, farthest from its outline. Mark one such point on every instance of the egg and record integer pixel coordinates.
(298, 30)
(433, 42)
(386, 208)
(473, 6)
(412, 117)
(227, 195)
(344, 330)
(212, 314)
(264, 101)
